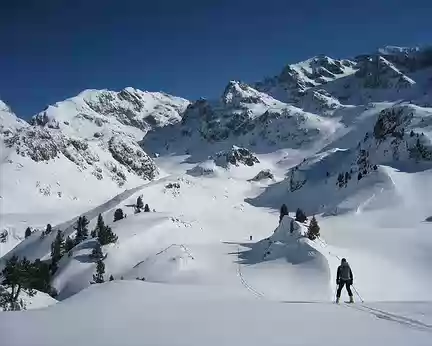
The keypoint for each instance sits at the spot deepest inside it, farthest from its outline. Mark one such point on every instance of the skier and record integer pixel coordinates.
(344, 277)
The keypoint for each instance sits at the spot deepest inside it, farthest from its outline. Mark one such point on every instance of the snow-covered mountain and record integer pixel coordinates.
(78, 152)
(349, 141)
(242, 116)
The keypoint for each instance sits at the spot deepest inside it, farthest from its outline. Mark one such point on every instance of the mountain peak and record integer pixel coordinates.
(130, 111)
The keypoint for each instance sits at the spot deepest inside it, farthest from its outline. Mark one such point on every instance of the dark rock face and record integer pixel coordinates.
(377, 72)
(235, 157)
(264, 174)
(391, 122)
(133, 157)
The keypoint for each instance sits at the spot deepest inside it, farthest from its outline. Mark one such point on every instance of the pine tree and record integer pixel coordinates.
(139, 205)
(283, 212)
(146, 208)
(111, 278)
(57, 250)
(28, 232)
(300, 216)
(292, 226)
(48, 229)
(107, 236)
(118, 214)
(69, 244)
(100, 271)
(313, 229)
(17, 277)
(99, 225)
(82, 230)
(97, 252)
(41, 276)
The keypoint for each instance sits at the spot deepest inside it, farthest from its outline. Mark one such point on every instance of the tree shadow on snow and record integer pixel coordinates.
(265, 250)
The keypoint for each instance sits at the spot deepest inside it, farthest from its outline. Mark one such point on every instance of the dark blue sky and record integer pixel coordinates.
(51, 50)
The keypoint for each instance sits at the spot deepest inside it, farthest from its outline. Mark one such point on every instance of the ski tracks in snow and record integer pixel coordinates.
(392, 317)
(242, 279)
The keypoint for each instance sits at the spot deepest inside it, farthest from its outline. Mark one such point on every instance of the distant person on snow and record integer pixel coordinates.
(344, 278)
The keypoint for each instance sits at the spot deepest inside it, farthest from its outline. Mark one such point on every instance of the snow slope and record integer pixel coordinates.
(75, 155)
(146, 313)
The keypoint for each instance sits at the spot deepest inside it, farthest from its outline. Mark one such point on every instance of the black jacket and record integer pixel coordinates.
(344, 274)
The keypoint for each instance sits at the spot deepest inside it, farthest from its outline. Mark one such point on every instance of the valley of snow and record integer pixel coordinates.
(210, 264)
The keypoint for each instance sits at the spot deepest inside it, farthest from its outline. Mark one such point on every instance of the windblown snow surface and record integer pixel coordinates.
(211, 265)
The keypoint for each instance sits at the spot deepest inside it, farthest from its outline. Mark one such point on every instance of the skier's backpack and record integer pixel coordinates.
(345, 272)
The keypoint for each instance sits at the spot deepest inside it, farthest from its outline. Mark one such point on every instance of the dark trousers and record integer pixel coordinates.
(341, 285)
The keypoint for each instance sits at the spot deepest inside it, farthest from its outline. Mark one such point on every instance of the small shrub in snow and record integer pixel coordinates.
(28, 232)
(146, 208)
(118, 215)
(172, 185)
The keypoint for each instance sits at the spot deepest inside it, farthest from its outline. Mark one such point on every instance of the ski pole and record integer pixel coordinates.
(355, 290)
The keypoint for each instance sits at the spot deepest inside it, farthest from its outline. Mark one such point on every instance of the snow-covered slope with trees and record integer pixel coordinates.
(77, 153)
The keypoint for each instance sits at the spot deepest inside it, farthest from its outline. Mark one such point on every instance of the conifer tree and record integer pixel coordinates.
(41, 277)
(313, 229)
(97, 252)
(118, 214)
(82, 230)
(111, 278)
(146, 208)
(139, 205)
(48, 229)
(107, 236)
(28, 232)
(98, 278)
(292, 226)
(57, 250)
(69, 244)
(283, 212)
(15, 276)
(99, 225)
(300, 216)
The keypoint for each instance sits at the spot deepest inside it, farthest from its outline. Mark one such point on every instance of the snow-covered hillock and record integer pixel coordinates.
(291, 257)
